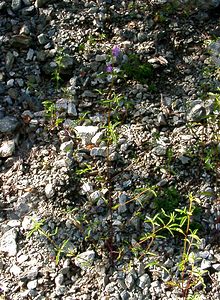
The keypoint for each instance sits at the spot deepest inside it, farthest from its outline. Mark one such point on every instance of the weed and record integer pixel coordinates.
(134, 69)
(51, 114)
(178, 221)
(167, 199)
(59, 249)
(59, 65)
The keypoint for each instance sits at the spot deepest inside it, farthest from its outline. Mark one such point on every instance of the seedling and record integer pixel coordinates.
(59, 249)
(51, 114)
(59, 65)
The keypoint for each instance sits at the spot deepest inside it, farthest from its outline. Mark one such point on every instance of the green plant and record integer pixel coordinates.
(51, 114)
(135, 69)
(59, 249)
(175, 223)
(59, 65)
(167, 199)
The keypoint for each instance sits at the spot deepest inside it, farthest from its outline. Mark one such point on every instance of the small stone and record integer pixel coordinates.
(15, 270)
(97, 138)
(8, 242)
(124, 295)
(101, 57)
(8, 124)
(32, 273)
(9, 61)
(10, 82)
(205, 264)
(165, 276)
(62, 105)
(27, 223)
(197, 113)
(144, 281)
(16, 5)
(129, 281)
(99, 151)
(85, 259)
(49, 190)
(88, 94)
(216, 267)
(59, 279)
(95, 196)
(161, 120)
(2, 5)
(160, 150)
(60, 290)
(31, 285)
(71, 110)
(24, 30)
(30, 54)
(86, 133)
(122, 201)
(42, 39)
(168, 263)
(66, 146)
(14, 223)
(22, 258)
(184, 159)
(87, 187)
(7, 148)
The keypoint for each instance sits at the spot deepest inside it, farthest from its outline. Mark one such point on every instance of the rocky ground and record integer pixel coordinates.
(73, 204)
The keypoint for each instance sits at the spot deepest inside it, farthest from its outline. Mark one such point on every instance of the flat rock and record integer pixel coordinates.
(86, 133)
(8, 242)
(8, 124)
(197, 113)
(7, 148)
(21, 41)
(85, 259)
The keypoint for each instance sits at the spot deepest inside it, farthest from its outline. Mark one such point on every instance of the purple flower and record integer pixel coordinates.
(116, 51)
(109, 68)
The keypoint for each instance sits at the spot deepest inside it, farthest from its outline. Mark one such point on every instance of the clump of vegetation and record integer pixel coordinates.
(51, 114)
(135, 69)
(168, 199)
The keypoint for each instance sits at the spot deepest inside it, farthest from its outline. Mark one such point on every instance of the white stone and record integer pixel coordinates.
(86, 133)
(87, 187)
(66, 146)
(30, 54)
(7, 148)
(71, 110)
(31, 285)
(205, 264)
(97, 138)
(100, 57)
(85, 259)
(99, 151)
(49, 190)
(8, 242)
(59, 279)
(15, 270)
(144, 281)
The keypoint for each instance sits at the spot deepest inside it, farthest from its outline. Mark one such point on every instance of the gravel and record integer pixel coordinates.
(59, 239)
